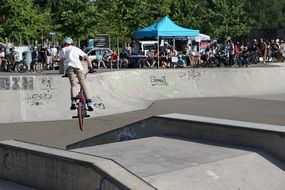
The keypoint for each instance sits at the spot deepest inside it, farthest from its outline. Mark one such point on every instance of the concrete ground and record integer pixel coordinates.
(203, 166)
(164, 162)
(181, 164)
(59, 134)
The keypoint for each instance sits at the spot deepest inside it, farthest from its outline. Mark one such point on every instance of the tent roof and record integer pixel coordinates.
(203, 37)
(165, 27)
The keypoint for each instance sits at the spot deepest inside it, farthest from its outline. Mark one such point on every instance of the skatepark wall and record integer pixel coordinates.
(30, 98)
(49, 168)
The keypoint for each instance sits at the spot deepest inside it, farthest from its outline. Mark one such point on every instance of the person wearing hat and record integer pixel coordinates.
(7, 46)
(70, 56)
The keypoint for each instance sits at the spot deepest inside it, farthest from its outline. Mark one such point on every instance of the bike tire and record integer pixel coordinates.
(39, 67)
(21, 67)
(80, 114)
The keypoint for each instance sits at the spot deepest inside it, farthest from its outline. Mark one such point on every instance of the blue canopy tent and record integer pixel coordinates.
(165, 28)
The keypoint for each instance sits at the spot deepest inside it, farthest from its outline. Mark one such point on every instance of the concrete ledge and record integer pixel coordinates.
(49, 168)
(269, 138)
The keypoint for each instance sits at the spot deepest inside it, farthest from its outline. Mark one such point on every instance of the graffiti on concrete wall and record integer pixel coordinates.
(126, 134)
(27, 83)
(98, 103)
(37, 99)
(5, 83)
(44, 96)
(46, 83)
(16, 83)
(192, 74)
(155, 81)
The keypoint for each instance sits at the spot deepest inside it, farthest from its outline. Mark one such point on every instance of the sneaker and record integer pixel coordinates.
(73, 107)
(89, 103)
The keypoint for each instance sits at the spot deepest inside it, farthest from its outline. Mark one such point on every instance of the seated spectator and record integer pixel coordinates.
(151, 58)
(180, 62)
(165, 59)
(124, 56)
(114, 59)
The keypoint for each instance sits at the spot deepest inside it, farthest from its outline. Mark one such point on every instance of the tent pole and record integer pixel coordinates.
(158, 51)
(199, 52)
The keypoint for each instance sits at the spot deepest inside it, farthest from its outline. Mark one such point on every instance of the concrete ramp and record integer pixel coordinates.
(43, 98)
(183, 164)
(270, 138)
(48, 168)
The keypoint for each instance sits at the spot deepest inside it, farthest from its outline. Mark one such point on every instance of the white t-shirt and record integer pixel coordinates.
(2, 54)
(70, 56)
(53, 51)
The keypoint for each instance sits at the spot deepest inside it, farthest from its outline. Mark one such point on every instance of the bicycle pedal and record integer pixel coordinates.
(73, 117)
(86, 115)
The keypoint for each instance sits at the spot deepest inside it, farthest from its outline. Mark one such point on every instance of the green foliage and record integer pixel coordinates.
(265, 13)
(21, 20)
(75, 18)
(27, 19)
(227, 18)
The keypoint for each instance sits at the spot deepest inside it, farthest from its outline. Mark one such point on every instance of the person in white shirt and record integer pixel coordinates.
(70, 56)
(54, 55)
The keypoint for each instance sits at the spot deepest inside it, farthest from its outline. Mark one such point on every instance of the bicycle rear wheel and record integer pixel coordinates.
(21, 67)
(80, 113)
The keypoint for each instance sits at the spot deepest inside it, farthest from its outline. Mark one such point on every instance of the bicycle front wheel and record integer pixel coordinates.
(39, 67)
(80, 114)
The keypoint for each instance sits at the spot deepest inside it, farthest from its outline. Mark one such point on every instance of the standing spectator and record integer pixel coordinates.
(49, 58)
(42, 53)
(268, 50)
(43, 50)
(102, 60)
(7, 46)
(12, 58)
(129, 49)
(230, 50)
(263, 50)
(54, 55)
(278, 51)
(3, 61)
(282, 48)
(35, 58)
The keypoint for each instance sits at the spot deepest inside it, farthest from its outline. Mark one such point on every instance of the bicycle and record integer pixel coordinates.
(40, 67)
(20, 66)
(81, 106)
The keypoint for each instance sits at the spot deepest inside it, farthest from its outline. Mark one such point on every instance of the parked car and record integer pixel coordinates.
(96, 54)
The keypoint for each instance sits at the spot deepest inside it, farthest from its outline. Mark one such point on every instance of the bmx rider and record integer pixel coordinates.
(70, 56)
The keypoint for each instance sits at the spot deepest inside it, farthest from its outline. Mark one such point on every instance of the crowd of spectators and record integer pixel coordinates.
(47, 54)
(214, 54)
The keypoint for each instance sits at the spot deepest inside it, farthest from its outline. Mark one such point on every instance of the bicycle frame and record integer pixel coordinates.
(81, 107)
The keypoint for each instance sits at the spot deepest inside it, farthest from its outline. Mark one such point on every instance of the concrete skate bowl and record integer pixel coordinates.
(26, 98)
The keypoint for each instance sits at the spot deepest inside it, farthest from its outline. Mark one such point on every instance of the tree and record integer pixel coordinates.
(74, 18)
(21, 21)
(264, 13)
(227, 18)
